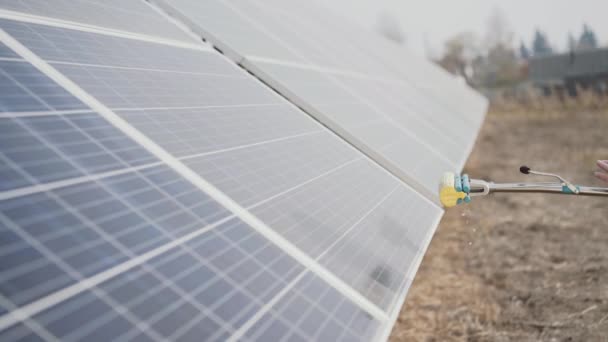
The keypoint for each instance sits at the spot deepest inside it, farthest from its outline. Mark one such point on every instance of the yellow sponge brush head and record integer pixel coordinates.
(448, 195)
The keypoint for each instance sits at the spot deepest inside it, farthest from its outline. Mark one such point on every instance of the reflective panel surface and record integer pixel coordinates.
(131, 16)
(102, 241)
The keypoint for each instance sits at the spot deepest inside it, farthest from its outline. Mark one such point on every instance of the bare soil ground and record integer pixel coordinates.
(520, 267)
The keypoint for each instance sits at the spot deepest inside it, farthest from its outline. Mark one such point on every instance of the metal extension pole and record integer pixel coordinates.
(455, 189)
(544, 188)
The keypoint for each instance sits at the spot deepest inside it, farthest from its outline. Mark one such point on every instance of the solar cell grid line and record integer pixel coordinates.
(187, 173)
(58, 183)
(5, 52)
(299, 313)
(106, 212)
(259, 315)
(184, 297)
(364, 86)
(44, 149)
(364, 45)
(256, 13)
(27, 330)
(190, 156)
(419, 73)
(256, 144)
(415, 129)
(385, 331)
(420, 116)
(423, 117)
(312, 216)
(366, 96)
(65, 267)
(374, 140)
(164, 260)
(377, 251)
(32, 189)
(135, 17)
(199, 131)
(361, 43)
(314, 230)
(67, 45)
(27, 190)
(136, 89)
(19, 84)
(249, 178)
(72, 290)
(23, 137)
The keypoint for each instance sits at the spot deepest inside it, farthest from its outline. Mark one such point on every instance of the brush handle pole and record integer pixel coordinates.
(546, 188)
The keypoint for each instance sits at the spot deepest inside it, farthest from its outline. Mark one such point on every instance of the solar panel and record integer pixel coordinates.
(359, 122)
(157, 191)
(60, 234)
(129, 16)
(330, 68)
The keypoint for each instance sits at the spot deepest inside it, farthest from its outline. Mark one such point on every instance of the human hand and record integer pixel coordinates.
(603, 174)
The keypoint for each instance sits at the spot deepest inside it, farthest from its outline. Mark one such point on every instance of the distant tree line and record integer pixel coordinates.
(493, 61)
(541, 46)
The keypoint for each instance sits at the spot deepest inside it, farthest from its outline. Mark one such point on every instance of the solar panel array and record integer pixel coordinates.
(152, 189)
(414, 119)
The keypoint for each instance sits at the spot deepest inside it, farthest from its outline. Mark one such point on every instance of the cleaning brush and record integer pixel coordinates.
(455, 189)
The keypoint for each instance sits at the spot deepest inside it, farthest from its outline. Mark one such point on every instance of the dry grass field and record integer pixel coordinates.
(520, 267)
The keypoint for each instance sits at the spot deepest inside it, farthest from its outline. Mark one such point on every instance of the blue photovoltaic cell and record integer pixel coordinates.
(41, 149)
(5, 52)
(20, 333)
(133, 15)
(186, 132)
(377, 257)
(313, 311)
(140, 77)
(202, 290)
(65, 45)
(92, 226)
(24, 88)
(253, 174)
(314, 217)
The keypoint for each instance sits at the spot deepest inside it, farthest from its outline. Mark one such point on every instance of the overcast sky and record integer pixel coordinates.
(428, 23)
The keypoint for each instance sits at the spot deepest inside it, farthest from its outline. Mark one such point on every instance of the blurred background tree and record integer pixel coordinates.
(571, 42)
(524, 53)
(540, 44)
(588, 40)
(491, 63)
(459, 53)
(499, 67)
